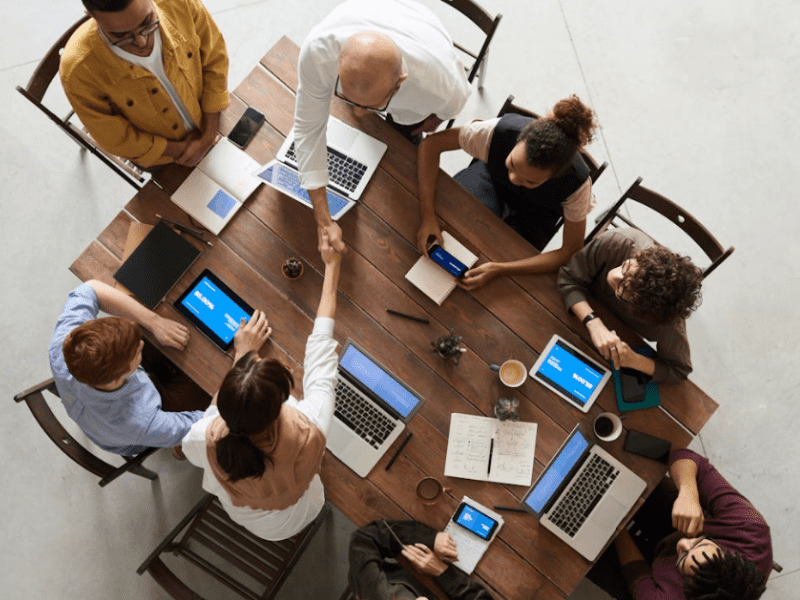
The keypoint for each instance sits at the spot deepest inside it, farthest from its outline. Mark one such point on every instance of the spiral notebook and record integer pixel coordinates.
(432, 279)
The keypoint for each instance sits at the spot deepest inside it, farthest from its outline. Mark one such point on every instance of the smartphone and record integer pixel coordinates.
(246, 127)
(471, 519)
(633, 385)
(647, 445)
(447, 261)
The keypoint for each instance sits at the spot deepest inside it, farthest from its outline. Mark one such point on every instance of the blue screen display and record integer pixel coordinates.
(221, 204)
(556, 471)
(449, 262)
(374, 378)
(477, 522)
(214, 308)
(570, 373)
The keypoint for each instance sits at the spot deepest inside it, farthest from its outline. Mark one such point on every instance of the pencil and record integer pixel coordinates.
(195, 233)
(404, 315)
(511, 509)
(398, 451)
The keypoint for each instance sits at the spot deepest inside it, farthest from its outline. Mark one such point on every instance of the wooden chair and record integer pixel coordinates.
(488, 25)
(37, 403)
(40, 81)
(595, 170)
(671, 211)
(252, 567)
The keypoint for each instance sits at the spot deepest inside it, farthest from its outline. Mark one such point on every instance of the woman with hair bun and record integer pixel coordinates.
(529, 172)
(260, 448)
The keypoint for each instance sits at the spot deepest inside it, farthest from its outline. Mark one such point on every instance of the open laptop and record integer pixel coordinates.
(372, 409)
(583, 494)
(353, 157)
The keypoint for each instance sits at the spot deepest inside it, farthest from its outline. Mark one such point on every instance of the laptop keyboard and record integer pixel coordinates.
(361, 415)
(290, 181)
(583, 495)
(343, 171)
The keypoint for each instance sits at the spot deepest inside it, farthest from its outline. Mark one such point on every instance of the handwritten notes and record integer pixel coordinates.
(473, 439)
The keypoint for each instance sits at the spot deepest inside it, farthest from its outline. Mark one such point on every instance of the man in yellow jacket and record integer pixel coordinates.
(148, 78)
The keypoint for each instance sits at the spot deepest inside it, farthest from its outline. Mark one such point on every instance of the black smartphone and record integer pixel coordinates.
(647, 445)
(447, 261)
(246, 127)
(633, 385)
(471, 519)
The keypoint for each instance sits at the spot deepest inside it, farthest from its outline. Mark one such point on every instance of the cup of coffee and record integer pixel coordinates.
(429, 490)
(512, 372)
(607, 426)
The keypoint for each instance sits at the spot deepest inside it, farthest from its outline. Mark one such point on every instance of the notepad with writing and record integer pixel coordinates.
(473, 439)
(218, 186)
(432, 279)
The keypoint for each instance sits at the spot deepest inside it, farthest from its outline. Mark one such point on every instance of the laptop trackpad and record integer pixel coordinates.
(609, 511)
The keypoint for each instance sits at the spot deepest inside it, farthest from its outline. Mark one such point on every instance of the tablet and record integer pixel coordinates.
(570, 373)
(213, 308)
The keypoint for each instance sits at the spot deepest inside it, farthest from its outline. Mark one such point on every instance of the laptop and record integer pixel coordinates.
(583, 494)
(353, 157)
(372, 409)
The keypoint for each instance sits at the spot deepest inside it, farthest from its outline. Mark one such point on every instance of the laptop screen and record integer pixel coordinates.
(556, 472)
(373, 377)
(569, 372)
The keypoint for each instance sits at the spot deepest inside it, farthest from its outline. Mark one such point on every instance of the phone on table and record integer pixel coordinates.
(471, 519)
(647, 445)
(447, 261)
(633, 385)
(246, 127)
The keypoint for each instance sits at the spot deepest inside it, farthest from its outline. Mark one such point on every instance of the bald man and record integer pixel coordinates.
(386, 56)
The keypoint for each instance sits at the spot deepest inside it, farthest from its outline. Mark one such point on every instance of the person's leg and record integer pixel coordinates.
(178, 392)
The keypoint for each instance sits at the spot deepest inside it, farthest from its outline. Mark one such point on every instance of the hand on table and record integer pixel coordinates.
(428, 227)
(424, 559)
(605, 340)
(252, 334)
(687, 514)
(445, 548)
(195, 149)
(170, 334)
(479, 276)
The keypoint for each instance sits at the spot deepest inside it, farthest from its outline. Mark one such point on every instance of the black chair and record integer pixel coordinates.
(595, 170)
(488, 25)
(671, 211)
(34, 398)
(252, 567)
(40, 81)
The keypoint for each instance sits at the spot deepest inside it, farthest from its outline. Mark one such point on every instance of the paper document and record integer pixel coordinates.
(433, 279)
(218, 186)
(474, 439)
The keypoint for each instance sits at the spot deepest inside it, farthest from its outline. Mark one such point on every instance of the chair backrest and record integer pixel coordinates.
(671, 211)
(485, 22)
(252, 567)
(595, 170)
(34, 398)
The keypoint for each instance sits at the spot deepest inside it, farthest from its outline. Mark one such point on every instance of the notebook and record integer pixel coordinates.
(218, 186)
(473, 527)
(372, 409)
(432, 279)
(156, 265)
(583, 494)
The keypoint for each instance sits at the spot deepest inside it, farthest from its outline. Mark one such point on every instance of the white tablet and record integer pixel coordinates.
(570, 373)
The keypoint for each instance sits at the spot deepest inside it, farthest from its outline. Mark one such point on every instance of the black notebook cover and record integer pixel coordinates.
(156, 265)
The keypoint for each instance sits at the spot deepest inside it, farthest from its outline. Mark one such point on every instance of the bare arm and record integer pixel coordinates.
(428, 155)
(333, 261)
(114, 302)
(326, 226)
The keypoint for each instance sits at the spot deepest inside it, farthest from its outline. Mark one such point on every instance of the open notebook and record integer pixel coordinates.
(432, 279)
(218, 186)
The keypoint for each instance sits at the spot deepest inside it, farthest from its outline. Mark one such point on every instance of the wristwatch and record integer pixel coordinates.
(588, 318)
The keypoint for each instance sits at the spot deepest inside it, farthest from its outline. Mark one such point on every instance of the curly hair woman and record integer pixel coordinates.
(645, 285)
(529, 172)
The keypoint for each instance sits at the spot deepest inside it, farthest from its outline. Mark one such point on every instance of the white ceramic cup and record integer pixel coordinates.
(607, 426)
(512, 372)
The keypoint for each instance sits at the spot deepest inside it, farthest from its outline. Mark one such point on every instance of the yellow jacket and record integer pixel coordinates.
(124, 107)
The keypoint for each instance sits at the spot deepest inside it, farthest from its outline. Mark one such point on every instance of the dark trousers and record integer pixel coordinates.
(178, 392)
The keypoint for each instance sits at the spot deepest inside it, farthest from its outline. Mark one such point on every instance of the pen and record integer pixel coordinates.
(491, 451)
(398, 451)
(511, 509)
(404, 315)
(196, 233)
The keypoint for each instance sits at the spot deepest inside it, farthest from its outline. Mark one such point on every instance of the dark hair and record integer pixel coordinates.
(249, 402)
(725, 576)
(552, 141)
(110, 6)
(100, 351)
(664, 287)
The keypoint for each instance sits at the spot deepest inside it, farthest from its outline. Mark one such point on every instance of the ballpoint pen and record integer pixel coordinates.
(195, 233)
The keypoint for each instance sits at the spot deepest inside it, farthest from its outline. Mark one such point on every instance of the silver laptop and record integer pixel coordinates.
(583, 494)
(372, 409)
(353, 157)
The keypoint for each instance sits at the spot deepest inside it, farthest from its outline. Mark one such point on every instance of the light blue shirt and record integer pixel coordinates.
(125, 421)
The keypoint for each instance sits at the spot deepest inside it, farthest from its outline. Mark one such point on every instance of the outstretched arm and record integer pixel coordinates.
(428, 155)
(333, 260)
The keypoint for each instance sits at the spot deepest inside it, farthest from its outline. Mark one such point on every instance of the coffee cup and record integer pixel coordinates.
(429, 490)
(512, 373)
(607, 426)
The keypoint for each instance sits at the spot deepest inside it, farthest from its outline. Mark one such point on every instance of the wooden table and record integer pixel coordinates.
(511, 317)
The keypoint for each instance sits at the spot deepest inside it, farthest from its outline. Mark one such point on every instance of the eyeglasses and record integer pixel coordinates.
(144, 32)
(684, 554)
(338, 93)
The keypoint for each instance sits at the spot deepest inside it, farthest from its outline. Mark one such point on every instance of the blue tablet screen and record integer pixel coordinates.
(570, 373)
(215, 309)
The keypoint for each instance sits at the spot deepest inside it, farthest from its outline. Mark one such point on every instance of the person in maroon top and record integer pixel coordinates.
(719, 549)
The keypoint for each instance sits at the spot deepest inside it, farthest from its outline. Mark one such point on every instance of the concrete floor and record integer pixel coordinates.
(695, 97)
